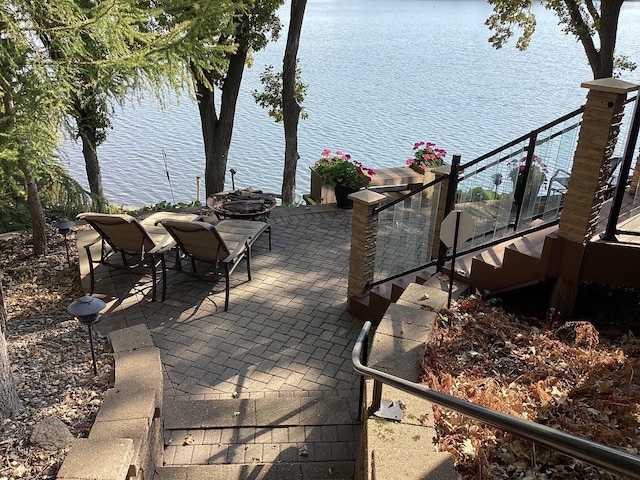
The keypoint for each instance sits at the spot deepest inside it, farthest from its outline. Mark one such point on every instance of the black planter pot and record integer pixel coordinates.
(342, 194)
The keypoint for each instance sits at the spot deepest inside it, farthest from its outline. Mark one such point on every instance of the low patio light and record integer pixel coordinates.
(233, 181)
(87, 311)
(64, 226)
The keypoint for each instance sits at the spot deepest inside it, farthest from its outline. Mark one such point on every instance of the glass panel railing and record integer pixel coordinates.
(486, 192)
(405, 233)
(508, 191)
(497, 192)
(554, 149)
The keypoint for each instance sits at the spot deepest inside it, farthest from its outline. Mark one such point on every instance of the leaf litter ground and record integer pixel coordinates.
(565, 375)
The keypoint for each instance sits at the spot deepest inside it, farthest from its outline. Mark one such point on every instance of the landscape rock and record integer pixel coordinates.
(51, 432)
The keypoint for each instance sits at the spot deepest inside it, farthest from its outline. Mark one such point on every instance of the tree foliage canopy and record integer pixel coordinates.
(593, 24)
(271, 95)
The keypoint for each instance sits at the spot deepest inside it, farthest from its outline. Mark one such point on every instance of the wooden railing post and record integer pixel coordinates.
(364, 233)
(587, 183)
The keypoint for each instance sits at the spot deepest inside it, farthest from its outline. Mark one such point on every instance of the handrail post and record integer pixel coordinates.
(376, 399)
(449, 205)
(365, 361)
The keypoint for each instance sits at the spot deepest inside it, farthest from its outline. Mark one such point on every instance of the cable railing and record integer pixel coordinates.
(592, 452)
(507, 191)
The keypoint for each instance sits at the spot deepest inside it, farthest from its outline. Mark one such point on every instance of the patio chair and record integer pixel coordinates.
(137, 243)
(559, 182)
(224, 244)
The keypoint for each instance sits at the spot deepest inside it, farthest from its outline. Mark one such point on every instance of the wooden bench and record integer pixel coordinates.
(395, 178)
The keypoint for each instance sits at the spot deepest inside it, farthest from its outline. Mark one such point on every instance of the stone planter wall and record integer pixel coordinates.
(125, 441)
(320, 192)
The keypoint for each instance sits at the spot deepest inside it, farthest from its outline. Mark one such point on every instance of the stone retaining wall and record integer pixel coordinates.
(405, 449)
(125, 441)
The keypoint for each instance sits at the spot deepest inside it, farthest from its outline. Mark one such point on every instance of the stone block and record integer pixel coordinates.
(140, 370)
(132, 338)
(137, 429)
(396, 356)
(406, 322)
(121, 404)
(396, 447)
(431, 296)
(107, 459)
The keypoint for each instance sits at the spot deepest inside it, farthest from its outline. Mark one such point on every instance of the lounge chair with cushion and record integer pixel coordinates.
(136, 243)
(224, 244)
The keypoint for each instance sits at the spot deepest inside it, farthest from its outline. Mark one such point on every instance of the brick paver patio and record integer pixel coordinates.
(286, 334)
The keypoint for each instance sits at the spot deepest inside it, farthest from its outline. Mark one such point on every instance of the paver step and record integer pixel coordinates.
(259, 412)
(247, 445)
(260, 471)
(251, 432)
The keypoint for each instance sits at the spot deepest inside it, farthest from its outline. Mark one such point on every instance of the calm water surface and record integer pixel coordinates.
(382, 75)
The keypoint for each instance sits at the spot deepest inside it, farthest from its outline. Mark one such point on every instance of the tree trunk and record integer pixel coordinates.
(216, 131)
(208, 123)
(608, 30)
(290, 107)
(9, 401)
(35, 209)
(94, 176)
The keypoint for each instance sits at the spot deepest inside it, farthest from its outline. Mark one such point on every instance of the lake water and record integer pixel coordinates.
(382, 75)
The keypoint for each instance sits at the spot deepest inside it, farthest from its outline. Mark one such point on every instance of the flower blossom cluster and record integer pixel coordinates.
(427, 155)
(536, 161)
(339, 169)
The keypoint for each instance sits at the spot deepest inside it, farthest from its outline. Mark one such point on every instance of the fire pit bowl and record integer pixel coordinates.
(243, 204)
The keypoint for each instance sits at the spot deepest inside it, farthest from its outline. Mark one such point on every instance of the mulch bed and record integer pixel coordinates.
(49, 354)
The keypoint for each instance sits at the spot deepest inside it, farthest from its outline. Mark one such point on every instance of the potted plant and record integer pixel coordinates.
(525, 195)
(426, 155)
(344, 174)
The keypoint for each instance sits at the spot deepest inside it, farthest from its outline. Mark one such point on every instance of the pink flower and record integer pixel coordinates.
(340, 169)
(427, 155)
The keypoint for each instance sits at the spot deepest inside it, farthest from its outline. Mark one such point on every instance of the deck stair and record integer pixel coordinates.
(262, 439)
(373, 306)
(513, 264)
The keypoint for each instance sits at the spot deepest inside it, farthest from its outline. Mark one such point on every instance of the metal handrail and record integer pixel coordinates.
(592, 452)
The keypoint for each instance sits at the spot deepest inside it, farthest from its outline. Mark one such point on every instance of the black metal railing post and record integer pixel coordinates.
(625, 168)
(521, 187)
(452, 187)
(376, 400)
